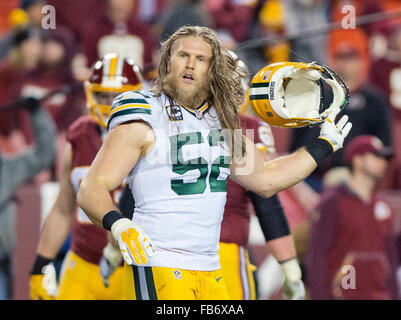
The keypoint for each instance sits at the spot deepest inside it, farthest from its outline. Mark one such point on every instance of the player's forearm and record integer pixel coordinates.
(282, 248)
(284, 172)
(54, 233)
(95, 200)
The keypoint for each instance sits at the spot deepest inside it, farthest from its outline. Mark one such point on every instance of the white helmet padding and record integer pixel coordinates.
(297, 92)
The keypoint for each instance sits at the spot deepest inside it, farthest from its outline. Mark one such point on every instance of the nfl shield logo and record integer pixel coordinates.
(177, 274)
(198, 114)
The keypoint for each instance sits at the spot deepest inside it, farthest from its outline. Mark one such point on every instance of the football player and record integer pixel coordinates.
(178, 144)
(81, 275)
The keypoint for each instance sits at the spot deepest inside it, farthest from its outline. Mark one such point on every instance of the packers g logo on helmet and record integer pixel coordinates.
(113, 74)
(290, 94)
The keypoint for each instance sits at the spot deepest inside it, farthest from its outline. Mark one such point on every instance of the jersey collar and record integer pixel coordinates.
(198, 112)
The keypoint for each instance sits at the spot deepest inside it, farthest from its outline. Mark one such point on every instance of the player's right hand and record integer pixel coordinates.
(335, 133)
(43, 286)
(135, 246)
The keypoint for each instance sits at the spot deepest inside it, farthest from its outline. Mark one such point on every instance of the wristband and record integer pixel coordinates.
(319, 150)
(109, 218)
(40, 262)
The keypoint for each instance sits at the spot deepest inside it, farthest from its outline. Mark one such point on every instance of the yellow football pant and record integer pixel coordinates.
(161, 283)
(237, 271)
(81, 280)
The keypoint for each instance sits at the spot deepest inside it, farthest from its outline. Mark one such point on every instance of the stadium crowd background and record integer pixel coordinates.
(35, 61)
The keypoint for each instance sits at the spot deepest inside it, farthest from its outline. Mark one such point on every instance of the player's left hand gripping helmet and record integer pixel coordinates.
(291, 94)
(114, 73)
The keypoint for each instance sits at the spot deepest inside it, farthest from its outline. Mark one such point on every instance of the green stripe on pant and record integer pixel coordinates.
(144, 283)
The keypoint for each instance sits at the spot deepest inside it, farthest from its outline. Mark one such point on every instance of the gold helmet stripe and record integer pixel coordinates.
(113, 68)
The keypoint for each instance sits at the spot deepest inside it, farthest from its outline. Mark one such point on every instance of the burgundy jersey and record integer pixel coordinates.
(386, 75)
(351, 232)
(8, 92)
(235, 225)
(87, 240)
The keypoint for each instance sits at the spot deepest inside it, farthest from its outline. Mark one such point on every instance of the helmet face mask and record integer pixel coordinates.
(291, 94)
(110, 77)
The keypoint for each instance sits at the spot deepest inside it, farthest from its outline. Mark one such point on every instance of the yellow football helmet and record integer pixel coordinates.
(290, 94)
(112, 74)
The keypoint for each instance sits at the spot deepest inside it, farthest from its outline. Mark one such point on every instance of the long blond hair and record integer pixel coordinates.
(225, 82)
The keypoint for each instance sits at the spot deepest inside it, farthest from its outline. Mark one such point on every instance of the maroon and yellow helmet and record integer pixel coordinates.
(243, 71)
(290, 94)
(113, 73)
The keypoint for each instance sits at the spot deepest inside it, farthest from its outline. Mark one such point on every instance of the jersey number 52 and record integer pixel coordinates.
(181, 167)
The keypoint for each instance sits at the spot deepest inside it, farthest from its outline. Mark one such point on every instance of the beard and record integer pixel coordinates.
(192, 95)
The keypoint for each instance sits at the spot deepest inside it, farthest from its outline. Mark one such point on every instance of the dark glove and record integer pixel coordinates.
(31, 104)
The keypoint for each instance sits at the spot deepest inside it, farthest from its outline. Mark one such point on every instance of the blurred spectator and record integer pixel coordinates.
(270, 24)
(118, 30)
(234, 16)
(29, 16)
(33, 9)
(180, 13)
(150, 10)
(362, 8)
(23, 57)
(301, 15)
(14, 172)
(367, 110)
(17, 19)
(349, 254)
(385, 73)
(53, 72)
(73, 14)
(51, 75)
(376, 32)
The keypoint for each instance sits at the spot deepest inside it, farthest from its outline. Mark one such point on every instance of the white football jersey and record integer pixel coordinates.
(179, 187)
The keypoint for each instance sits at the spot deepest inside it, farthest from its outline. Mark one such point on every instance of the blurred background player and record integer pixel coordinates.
(234, 258)
(16, 170)
(352, 227)
(236, 267)
(81, 275)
